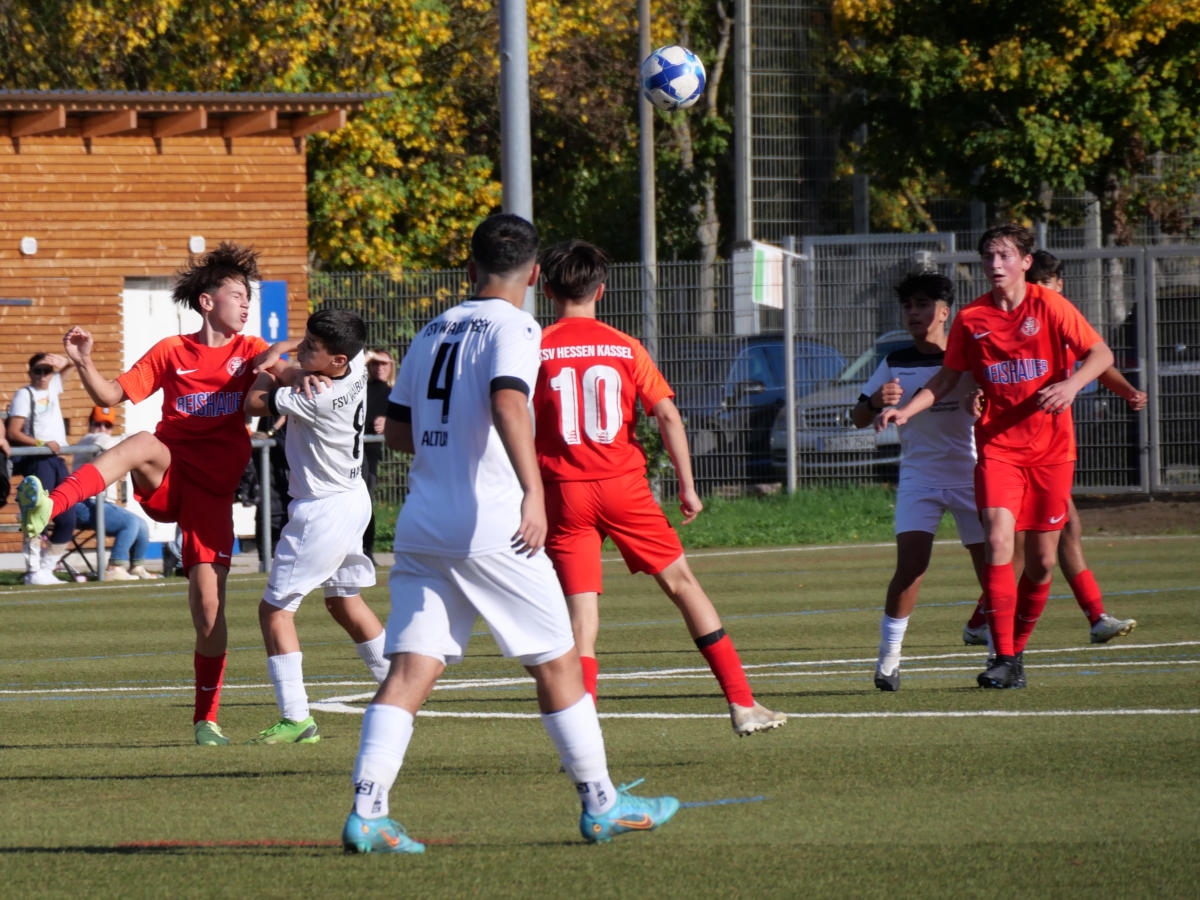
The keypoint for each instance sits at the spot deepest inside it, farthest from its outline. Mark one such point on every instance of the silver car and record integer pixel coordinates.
(826, 438)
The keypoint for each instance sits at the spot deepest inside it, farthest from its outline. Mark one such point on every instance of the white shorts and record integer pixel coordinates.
(435, 600)
(920, 508)
(321, 546)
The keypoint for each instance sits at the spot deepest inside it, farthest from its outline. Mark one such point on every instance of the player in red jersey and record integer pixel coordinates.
(1103, 627)
(594, 471)
(188, 470)
(1018, 341)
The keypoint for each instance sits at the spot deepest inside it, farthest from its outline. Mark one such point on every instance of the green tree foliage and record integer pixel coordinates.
(1001, 101)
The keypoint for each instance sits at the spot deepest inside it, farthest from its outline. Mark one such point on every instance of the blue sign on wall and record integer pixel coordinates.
(273, 310)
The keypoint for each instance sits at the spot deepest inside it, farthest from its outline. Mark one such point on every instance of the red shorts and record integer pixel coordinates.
(205, 519)
(1037, 496)
(583, 513)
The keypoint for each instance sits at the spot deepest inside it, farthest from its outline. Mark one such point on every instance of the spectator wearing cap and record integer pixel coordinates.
(36, 420)
(129, 531)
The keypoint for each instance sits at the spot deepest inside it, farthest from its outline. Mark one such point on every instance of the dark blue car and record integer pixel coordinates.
(753, 394)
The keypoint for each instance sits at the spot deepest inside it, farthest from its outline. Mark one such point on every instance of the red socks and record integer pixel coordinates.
(1087, 594)
(210, 671)
(1031, 600)
(591, 674)
(85, 482)
(723, 659)
(1000, 588)
(979, 616)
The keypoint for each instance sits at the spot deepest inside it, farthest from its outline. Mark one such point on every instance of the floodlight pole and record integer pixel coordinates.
(516, 156)
(648, 233)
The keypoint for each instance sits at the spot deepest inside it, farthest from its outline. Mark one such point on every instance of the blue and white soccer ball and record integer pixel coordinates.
(672, 77)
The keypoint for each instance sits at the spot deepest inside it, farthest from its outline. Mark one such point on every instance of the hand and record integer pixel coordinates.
(53, 447)
(530, 537)
(1056, 397)
(311, 385)
(377, 424)
(78, 345)
(890, 416)
(690, 505)
(973, 402)
(891, 393)
(1137, 400)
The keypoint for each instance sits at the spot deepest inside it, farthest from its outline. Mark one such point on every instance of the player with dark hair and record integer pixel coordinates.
(320, 545)
(1046, 270)
(188, 470)
(467, 544)
(591, 378)
(1019, 341)
(937, 459)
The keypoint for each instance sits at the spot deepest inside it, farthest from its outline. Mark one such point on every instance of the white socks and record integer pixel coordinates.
(576, 734)
(386, 733)
(371, 653)
(287, 675)
(891, 632)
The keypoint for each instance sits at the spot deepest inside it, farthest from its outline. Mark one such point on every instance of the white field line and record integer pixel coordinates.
(353, 703)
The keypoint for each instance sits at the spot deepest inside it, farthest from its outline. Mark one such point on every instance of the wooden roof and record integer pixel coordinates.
(92, 114)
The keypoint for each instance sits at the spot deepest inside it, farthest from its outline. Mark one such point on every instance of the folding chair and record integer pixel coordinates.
(83, 545)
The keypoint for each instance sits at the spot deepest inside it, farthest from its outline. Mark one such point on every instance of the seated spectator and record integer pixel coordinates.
(129, 531)
(35, 420)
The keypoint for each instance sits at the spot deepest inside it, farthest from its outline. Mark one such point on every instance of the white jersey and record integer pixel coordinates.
(463, 496)
(324, 442)
(47, 415)
(937, 448)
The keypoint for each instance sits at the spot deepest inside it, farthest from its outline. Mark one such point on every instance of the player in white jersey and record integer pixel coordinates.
(937, 459)
(468, 542)
(321, 544)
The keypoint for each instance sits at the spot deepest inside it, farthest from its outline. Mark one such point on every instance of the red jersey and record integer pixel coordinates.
(203, 387)
(590, 377)
(1012, 356)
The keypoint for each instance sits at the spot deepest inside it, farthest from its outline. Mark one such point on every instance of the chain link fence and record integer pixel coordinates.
(724, 356)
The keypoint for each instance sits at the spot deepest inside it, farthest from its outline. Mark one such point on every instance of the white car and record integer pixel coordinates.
(826, 437)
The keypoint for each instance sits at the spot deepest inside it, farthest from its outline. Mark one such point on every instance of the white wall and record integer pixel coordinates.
(149, 316)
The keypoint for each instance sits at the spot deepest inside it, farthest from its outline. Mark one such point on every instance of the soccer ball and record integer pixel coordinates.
(672, 77)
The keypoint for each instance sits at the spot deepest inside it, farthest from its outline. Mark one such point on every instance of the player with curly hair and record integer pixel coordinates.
(188, 470)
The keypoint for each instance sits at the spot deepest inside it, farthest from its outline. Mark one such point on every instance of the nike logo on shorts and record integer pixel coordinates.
(1054, 520)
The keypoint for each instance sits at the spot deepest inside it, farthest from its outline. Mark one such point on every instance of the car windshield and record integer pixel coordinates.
(861, 368)
(816, 364)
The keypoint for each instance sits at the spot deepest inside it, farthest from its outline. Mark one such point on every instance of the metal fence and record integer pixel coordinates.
(723, 356)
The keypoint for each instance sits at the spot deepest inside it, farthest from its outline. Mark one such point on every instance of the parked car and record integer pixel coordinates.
(826, 438)
(732, 439)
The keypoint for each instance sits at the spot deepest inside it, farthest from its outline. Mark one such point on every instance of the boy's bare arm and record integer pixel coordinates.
(943, 381)
(398, 435)
(674, 438)
(258, 398)
(510, 416)
(272, 359)
(104, 391)
(1112, 379)
(1060, 395)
